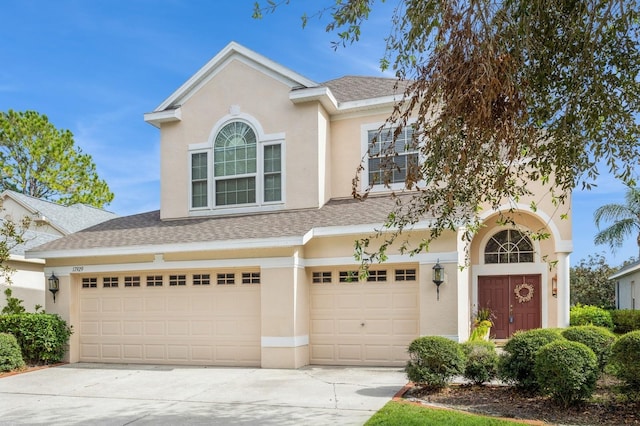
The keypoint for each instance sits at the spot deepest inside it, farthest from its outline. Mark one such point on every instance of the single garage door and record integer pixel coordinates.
(363, 323)
(193, 319)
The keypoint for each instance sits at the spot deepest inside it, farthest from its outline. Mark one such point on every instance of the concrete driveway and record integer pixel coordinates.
(105, 394)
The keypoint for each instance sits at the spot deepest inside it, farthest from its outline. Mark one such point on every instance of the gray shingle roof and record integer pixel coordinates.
(68, 218)
(147, 229)
(355, 88)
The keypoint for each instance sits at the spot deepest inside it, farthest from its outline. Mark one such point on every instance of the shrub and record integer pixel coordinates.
(590, 315)
(434, 361)
(625, 320)
(481, 361)
(516, 363)
(625, 356)
(42, 337)
(566, 370)
(13, 304)
(10, 356)
(598, 339)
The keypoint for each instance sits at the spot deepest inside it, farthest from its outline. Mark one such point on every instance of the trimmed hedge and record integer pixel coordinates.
(567, 371)
(590, 315)
(10, 355)
(482, 361)
(517, 362)
(625, 357)
(625, 320)
(434, 361)
(598, 339)
(42, 337)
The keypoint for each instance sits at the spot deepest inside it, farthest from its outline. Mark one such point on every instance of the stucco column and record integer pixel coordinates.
(65, 306)
(464, 272)
(284, 311)
(564, 290)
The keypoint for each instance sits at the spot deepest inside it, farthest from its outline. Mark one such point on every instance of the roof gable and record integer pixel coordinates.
(169, 109)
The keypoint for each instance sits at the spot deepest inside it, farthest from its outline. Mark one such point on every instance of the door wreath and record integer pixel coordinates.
(523, 298)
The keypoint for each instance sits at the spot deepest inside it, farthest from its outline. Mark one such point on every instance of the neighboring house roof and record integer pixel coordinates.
(65, 219)
(627, 270)
(354, 88)
(142, 233)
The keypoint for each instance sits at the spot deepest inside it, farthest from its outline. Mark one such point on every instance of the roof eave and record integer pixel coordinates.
(156, 118)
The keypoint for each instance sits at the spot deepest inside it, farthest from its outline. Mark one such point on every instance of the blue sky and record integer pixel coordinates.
(95, 66)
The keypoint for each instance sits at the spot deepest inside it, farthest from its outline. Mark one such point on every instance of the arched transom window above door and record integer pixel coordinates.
(509, 246)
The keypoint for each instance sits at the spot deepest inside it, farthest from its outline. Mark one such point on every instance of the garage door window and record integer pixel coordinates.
(176, 280)
(251, 278)
(109, 282)
(90, 282)
(348, 276)
(132, 281)
(226, 279)
(154, 280)
(377, 276)
(322, 277)
(405, 274)
(201, 279)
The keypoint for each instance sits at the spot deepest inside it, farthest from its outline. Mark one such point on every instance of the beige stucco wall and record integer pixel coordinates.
(27, 284)
(238, 91)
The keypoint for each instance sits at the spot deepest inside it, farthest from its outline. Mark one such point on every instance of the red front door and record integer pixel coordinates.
(515, 301)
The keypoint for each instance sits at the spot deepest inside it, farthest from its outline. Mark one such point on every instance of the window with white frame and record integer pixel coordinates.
(245, 170)
(390, 161)
(199, 180)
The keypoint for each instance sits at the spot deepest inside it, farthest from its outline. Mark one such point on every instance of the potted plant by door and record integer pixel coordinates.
(482, 323)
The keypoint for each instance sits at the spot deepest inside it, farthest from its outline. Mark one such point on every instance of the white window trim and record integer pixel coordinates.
(262, 140)
(364, 149)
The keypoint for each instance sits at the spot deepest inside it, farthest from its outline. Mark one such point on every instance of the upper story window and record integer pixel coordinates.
(389, 161)
(509, 246)
(238, 170)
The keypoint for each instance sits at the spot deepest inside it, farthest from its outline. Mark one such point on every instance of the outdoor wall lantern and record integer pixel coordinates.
(438, 276)
(54, 285)
(554, 286)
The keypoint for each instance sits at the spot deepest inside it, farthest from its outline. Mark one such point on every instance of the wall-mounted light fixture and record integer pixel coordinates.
(54, 285)
(438, 276)
(554, 286)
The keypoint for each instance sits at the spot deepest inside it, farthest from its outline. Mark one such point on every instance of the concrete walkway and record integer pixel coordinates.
(105, 394)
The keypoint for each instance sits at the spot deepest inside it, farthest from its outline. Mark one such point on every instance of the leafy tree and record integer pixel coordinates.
(39, 160)
(590, 285)
(11, 235)
(503, 93)
(625, 220)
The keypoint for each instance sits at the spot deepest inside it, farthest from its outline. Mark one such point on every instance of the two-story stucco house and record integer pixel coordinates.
(249, 260)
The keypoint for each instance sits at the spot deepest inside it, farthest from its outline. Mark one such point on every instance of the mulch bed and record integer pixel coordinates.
(28, 369)
(608, 405)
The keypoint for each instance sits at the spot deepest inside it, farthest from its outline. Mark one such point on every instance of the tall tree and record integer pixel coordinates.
(39, 160)
(623, 219)
(590, 283)
(503, 93)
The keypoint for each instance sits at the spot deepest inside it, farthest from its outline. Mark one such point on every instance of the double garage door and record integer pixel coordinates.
(182, 323)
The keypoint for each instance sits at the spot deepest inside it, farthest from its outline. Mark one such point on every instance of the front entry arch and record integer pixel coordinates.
(514, 299)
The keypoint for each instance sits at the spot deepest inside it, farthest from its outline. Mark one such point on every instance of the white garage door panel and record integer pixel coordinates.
(183, 325)
(363, 324)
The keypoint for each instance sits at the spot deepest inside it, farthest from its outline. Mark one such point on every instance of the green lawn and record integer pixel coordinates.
(397, 413)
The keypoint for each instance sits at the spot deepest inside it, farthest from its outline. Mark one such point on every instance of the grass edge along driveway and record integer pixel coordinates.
(408, 414)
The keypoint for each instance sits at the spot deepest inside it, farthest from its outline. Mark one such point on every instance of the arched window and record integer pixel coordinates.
(234, 164)
(246, 172)
(509, 246)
